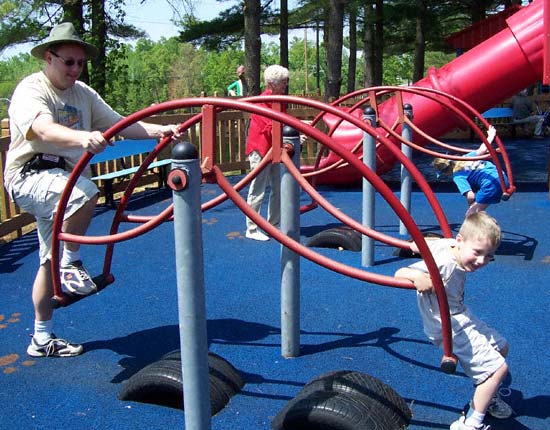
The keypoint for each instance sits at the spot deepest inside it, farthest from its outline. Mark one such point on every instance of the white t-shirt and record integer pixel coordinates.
(453, 277)
(79, 107)
(476, 345)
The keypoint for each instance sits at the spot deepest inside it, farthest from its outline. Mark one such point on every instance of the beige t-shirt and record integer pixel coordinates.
(79, 107)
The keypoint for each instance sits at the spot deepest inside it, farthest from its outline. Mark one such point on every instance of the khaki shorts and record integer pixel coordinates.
(477, 346)
(38, 193)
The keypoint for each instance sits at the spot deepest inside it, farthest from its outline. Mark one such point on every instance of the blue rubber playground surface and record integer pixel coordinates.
(345, 323)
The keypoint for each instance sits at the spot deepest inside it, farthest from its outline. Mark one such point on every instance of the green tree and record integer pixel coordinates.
(31, 21)
(11, 73)
(142, 77)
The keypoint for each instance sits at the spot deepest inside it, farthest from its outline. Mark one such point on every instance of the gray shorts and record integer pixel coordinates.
(38, 193)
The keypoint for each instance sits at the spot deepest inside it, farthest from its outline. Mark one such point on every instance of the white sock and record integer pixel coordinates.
(474, 418)
(69, 256)
(42, 331)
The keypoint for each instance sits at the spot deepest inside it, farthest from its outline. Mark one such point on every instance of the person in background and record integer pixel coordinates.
(54, 119)
(525, 112)
(258, 143)
(480, 349)
(477, 180)
(236, 89)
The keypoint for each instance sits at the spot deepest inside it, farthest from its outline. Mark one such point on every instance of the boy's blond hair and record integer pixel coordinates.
(481, 225)
(448, 167)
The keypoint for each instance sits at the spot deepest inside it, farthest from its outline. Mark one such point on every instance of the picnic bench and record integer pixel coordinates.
(502, 116)
(118, 154)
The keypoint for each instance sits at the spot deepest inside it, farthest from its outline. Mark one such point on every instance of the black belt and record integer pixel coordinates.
(43, 162)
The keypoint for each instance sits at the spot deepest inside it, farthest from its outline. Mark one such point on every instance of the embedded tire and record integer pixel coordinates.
(218, 367)
(161, 383)
(384, 407)
(325, 410)
(387, 404)
(338, 237)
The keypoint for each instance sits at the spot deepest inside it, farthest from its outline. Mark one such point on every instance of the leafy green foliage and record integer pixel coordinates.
(11, 72)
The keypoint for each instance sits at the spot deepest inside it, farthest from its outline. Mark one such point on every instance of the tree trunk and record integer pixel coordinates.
(252, 45)
(283, 38)
(333, 41)
(99, 31)
(420, 42)
(379, 43)
(73, 12)
(352, 64)
(368, 48)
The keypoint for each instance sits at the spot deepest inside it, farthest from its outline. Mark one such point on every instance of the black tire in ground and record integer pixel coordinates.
(326, 410)
(161, 383)
(338, 237)
(219, 367)
(378, 400)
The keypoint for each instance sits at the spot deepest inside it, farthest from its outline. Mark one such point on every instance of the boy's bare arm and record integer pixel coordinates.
(421, 280)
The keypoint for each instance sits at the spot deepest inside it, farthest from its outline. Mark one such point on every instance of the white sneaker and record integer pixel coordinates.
(257, 235)
(54, 347)
(460, 425)
(76, 280)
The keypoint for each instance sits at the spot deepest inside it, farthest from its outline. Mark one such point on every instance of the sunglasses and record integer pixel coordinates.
(69, 62)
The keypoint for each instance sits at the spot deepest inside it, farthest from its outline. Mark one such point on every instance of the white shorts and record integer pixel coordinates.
(38, 193)
(476, 345)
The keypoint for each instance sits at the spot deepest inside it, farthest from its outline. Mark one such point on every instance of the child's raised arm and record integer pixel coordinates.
(491, 133)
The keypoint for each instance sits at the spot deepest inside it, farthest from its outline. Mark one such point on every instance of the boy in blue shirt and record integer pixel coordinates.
(477, 180)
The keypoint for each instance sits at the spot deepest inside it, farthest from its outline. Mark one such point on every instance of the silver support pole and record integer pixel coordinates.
(290, 261)
(185, 181)
(368, 201)
(406, 178)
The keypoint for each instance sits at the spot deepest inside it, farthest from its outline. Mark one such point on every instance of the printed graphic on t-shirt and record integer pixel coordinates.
(475, 165)
(69, 116)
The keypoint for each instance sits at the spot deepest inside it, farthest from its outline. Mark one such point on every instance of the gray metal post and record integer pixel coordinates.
(290, 261)
(406, 179)
(369, 159)
(185, 181)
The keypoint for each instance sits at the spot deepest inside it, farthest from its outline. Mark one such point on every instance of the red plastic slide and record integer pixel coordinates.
(484, 76)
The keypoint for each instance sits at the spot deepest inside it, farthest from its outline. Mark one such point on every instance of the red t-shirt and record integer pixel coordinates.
(259, 131)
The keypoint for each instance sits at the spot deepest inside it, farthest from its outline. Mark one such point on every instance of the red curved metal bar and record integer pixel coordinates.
(339, 215)
(352, 271)
(284, 118)
(324, 140)
(439, 97)
(278, 116)
(229, 191)
(268, 158)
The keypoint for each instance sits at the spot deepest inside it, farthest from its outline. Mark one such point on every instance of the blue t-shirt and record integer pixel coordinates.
(481, 177)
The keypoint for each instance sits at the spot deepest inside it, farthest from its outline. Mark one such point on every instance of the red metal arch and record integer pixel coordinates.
(229, 191)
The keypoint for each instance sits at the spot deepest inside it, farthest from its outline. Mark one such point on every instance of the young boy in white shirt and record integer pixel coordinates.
(480, 349)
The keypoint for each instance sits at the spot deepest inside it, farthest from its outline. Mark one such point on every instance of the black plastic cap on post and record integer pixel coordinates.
(369, 111)
(185, 151)
(408, 109)
(289, 131)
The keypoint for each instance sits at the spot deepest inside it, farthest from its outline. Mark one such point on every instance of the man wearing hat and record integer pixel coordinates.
(54, 119)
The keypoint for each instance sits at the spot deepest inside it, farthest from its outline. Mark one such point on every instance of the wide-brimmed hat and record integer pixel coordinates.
(63, 33)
